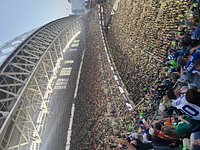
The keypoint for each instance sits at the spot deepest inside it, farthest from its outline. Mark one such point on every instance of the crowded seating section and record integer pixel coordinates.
(169, 117)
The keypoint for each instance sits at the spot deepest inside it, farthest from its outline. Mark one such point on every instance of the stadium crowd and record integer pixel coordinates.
(156, 48)
(98, 99)
(157, 54)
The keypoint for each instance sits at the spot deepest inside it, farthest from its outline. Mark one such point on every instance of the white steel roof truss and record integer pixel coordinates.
(26, 94)
(31, 53)
(19, 67)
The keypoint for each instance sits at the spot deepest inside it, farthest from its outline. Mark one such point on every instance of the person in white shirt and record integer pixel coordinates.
(188, 103)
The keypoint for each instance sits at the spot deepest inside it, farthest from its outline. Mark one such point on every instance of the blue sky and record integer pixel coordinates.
(19, 16)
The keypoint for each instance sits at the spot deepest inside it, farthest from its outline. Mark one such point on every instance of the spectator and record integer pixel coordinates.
(193, 97)
(181, 103)
(195, 141)
(182, 129)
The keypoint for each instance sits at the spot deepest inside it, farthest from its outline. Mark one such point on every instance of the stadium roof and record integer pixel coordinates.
(7, 48)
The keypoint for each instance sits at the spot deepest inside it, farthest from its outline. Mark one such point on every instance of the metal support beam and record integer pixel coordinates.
(27, 79)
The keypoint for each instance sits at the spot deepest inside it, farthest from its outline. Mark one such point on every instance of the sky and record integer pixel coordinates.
(19, 16)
